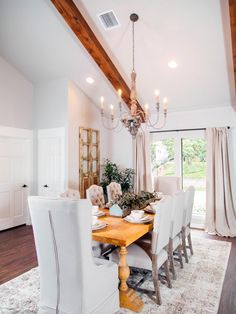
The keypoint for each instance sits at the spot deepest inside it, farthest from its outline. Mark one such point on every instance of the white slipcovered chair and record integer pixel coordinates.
(151, 253)
(95, 194)
(186, 231)
(71, 280)
(113, 191)
(70, 193)
(75, 195)
(167, 185)
(176, 229)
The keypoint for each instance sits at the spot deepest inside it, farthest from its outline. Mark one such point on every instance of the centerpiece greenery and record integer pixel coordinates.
(130, 201)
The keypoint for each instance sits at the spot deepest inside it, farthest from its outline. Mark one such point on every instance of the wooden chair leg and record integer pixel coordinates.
(184, 246)
(167, 272)
(171, 257)
(180, 256)
(155, 279)
(190, 243)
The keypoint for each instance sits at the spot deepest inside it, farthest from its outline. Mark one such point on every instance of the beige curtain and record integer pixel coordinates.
(142, 161)
(220, 215)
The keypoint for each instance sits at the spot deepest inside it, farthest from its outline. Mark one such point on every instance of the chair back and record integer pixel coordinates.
(62, 233)
(95, 194)
(70, 193)
(161, 227)
(177, 214)
(113, 191)
(188, 205)
(167, 185)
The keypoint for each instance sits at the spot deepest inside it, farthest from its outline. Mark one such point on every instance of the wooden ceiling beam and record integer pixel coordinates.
(232, 12)
(84, 33)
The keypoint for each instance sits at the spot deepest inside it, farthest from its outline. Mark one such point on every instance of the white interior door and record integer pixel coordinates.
(51, 161)
(15, 177)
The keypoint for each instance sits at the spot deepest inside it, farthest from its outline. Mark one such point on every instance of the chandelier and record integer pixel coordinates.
(133, 118)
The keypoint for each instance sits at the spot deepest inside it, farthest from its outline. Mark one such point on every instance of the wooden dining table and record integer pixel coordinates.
(122, 233)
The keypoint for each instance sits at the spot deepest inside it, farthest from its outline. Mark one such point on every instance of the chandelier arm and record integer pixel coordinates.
(107, 127)
(157, 120)
(158, 127)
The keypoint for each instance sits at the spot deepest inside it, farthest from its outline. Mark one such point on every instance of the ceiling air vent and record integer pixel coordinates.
(108, 20)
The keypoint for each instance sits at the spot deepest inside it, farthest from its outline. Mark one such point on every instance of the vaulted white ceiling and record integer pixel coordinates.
(35, 39)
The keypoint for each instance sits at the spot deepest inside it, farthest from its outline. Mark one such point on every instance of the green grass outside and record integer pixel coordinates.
(195, 170)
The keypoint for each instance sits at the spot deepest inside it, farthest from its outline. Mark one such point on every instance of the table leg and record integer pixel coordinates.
(128, 297)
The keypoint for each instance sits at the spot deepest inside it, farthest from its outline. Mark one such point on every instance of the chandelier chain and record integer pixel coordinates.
(133, 42)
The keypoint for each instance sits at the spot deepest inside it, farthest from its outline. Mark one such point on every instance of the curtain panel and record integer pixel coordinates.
(142, 160)
(220, 214)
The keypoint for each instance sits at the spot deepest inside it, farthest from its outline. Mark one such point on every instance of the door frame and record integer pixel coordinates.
(198, 221)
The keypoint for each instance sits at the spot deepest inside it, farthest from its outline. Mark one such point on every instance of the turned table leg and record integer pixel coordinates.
(128, 297)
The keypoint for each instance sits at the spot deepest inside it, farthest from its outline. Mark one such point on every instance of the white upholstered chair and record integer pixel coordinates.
(95, 194)
(71, 280)
(75, 195)
(167, 185)
(113, 191)
(70, 193)
(186, 231)
(151, 253)
(176, 229)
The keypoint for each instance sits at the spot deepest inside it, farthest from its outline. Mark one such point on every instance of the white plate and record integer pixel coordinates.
(99, 225)
(99, 213)
(138, 221)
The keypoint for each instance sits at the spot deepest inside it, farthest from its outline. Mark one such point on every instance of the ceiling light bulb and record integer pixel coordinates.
(90, 80)
(157, 93)
(172, 64)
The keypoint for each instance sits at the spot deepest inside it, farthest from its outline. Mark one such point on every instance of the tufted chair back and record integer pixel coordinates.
(113, 191)
(70, 193)
(95, 194)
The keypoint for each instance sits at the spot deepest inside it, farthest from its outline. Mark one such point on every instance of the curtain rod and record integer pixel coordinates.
(180, 130)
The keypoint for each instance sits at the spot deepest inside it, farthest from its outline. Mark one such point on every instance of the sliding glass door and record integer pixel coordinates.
(183, 154)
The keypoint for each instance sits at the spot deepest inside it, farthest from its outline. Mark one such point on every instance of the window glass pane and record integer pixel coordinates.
(194, 171)
(162, 156)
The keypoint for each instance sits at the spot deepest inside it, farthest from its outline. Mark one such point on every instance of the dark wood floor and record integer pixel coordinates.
(17, 255)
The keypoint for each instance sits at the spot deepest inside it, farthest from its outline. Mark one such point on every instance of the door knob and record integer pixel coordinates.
(24, 186)
(45, 186)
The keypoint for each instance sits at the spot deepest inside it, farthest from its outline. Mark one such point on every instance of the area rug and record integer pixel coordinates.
(197, 289)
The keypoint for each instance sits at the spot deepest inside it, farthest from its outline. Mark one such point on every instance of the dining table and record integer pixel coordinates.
(122, 233)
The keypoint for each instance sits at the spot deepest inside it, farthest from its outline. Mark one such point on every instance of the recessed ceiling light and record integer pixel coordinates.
(172, 64)
(90, 80)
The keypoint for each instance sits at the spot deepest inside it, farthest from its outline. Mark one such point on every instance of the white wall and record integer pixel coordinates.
(16, 97)
(82, 113)
(50, 104)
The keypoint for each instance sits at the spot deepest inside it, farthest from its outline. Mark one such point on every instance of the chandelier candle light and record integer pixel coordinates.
(132, 119)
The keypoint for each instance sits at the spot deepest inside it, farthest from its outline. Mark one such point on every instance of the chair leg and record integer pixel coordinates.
(180, 256)
(184, 246)
(155, 279)
(190, 243)
(167, 272)
(171, 257)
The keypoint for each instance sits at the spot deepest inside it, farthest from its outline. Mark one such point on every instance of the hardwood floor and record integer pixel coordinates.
(17, 252)
(17, 255)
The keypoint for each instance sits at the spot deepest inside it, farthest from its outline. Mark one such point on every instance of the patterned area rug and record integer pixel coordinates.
(197, 288)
